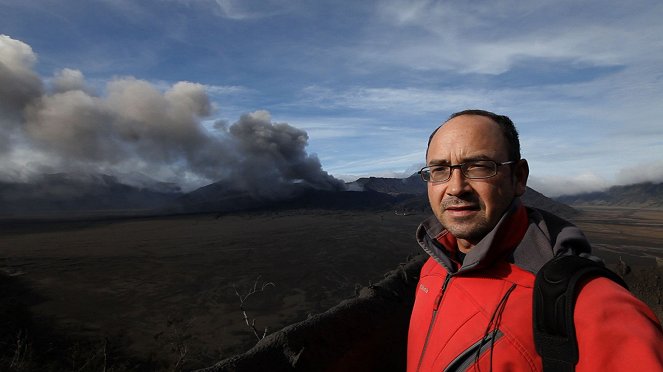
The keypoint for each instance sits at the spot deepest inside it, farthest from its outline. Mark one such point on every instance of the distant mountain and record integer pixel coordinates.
(414, 186)
(645, 194)
(55, 194)
(533, 198)
(393, 186)
(67, 195)
(215, 197)
(222, 198)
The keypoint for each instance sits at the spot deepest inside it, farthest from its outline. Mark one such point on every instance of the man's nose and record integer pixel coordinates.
(458, 183)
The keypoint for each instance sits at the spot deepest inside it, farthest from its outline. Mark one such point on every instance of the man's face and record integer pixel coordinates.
(469, 209)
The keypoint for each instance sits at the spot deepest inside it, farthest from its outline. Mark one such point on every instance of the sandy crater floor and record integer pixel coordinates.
(153, 281)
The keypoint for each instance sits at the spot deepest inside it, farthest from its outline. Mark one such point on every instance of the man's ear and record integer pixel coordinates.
(521, 172)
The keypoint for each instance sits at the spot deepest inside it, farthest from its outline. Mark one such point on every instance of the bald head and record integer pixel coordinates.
(507, 128)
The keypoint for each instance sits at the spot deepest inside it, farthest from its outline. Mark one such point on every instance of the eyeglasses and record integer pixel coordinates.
(473, 170)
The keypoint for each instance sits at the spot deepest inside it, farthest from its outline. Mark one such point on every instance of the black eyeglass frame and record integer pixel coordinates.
(463, 170)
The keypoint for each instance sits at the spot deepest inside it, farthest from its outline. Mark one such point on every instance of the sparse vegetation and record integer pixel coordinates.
(258, 287)
(160, 290)
(21, 353)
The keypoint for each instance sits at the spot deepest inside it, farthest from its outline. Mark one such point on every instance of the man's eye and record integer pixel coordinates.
(439, 169)
(477, 166)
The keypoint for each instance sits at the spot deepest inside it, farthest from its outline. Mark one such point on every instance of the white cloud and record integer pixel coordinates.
(601, 125)
(566, 184)
(651, 171)
(401, 100)
(225, 89)
(377, 166)
(330, 129)
(67, 80)
(553, 186)
(252, 9)
(16, 55)
(490, 37)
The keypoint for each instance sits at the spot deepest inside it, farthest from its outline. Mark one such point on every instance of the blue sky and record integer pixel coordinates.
(366, 80)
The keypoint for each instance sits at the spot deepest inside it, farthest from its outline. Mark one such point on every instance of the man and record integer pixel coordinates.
(473, 306)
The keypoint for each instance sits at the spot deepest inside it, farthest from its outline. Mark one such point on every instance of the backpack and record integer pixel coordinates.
(555, 287)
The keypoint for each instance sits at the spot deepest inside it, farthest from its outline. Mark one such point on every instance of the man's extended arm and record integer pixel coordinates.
(615, 330)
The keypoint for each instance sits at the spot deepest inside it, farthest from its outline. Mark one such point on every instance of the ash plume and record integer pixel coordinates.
(133, 127)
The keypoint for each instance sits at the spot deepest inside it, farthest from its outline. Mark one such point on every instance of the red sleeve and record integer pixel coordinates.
(615, 330)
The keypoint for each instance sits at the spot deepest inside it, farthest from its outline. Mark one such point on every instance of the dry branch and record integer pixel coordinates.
(242, 300)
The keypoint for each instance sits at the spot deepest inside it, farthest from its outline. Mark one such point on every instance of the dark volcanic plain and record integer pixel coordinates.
(630, 241)
(162, 289)
(154, 283)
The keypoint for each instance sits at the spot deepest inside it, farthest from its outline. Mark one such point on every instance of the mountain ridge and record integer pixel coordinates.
(58, 193)
(99, 194)
(644, 194)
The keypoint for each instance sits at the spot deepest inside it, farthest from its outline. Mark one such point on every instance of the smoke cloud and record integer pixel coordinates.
(133, 127)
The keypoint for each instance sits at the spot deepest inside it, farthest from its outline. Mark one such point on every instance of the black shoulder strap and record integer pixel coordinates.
(554, 299)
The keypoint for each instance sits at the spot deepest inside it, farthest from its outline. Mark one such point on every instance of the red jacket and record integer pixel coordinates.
(479, 313)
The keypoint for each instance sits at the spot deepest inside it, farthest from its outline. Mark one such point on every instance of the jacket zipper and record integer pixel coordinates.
(463, 361)
(436, 305)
